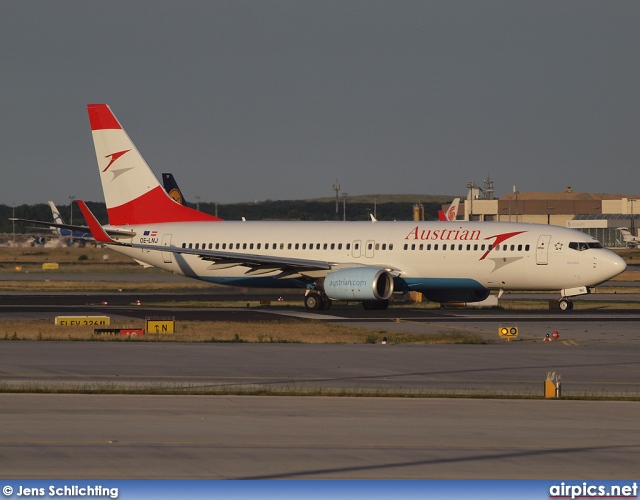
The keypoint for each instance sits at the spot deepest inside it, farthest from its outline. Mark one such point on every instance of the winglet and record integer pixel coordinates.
(97, 231)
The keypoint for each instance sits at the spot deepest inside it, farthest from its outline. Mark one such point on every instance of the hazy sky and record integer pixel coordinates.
(255, 100)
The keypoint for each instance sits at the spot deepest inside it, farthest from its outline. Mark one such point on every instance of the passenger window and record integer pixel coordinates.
(258, 246)
(413, 246)
(429, 246)
(237, 246)
(435, 247)
(513, 247)
(444, 247)
(348, 246)
(384, 246)
(197, 246)
(390, 246)
(289, 246)
(378, 246)
(324, 247)
(339, 246)
(281, 246)
(421, 246)
(406, 246)
(526, 248)
(333, 246)
(519, 248)
(304, 246)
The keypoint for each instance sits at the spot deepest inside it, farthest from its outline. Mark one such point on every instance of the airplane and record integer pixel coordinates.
(334, 260)
(628, 238)
(452, 211)
(172, 188)
(59, 228)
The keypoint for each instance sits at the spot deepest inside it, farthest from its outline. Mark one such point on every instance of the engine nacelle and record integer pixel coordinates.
(359, 283)
(39, 240)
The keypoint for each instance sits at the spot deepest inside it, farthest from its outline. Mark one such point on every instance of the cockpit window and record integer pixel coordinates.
(581, 246)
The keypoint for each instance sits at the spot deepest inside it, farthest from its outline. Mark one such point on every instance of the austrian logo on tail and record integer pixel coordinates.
(114, 157)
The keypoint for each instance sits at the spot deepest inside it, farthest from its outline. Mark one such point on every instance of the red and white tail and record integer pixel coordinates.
(131, 191)
(452, 211)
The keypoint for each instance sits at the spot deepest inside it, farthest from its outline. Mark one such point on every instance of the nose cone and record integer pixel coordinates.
(612, 265)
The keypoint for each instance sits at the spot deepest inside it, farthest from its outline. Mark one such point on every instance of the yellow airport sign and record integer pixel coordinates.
(50, 265)
(160, 326)
(83, 320)
(508, 332)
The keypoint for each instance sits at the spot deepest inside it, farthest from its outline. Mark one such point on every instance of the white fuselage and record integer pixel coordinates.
(426, 255)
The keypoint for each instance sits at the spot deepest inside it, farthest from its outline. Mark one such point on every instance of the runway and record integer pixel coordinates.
(235, 437)
(384, 437)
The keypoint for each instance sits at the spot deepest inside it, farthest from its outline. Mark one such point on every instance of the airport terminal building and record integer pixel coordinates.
(600, 215)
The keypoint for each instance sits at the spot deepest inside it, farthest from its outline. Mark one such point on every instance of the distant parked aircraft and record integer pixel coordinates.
(452, 211)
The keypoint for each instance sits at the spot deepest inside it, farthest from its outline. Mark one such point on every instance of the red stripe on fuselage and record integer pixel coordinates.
(154, 207)
(101, 117)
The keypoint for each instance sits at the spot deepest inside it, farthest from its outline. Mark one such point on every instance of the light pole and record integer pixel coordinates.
(71, 198)
(344, 206)
(336, 188)
(633, 229)
(197, 203)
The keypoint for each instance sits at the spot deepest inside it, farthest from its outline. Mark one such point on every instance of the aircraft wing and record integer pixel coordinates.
(85, 229)
(258, 264)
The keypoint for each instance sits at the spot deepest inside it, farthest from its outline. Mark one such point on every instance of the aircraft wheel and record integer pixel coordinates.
(313, 302)
(565, 304)
(326, 304)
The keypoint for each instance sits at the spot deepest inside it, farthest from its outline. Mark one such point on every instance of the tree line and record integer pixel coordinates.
(263, 210)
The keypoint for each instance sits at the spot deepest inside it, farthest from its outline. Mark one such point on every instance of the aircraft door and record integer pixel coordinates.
(166, 242)
(356, 251)
(542, 250)
(369, 248)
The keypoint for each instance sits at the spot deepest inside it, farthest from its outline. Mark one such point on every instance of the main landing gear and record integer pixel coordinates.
(565, 304)
(315, 301)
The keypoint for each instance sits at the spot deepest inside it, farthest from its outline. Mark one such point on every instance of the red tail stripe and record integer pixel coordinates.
(96, 229)
(154, 207)
(101, 117)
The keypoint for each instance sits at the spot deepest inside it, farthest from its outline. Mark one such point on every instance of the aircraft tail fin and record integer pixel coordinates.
(172, 189)
(57, 218)
(452, 211)
(626, 235)
(132, 192)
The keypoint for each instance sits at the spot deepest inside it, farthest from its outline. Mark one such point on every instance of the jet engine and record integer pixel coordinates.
(358, 283)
